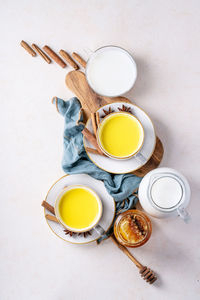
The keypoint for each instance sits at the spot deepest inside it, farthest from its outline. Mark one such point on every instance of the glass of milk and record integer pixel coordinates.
(164, 192)
(111, 71)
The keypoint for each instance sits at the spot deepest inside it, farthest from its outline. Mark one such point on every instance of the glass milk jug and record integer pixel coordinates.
(164, 193)
(111, 71)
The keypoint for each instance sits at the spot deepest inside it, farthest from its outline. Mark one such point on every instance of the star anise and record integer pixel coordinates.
(85, 234)
(66, 231)
(125, 108)
(71, 233)
(107, 112)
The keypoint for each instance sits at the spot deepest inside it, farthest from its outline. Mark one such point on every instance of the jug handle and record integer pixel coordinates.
(183, 214)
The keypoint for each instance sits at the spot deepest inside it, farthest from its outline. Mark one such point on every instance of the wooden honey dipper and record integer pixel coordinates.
(146, 273)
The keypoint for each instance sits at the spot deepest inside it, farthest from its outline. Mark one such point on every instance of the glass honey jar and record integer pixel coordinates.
(132, 228)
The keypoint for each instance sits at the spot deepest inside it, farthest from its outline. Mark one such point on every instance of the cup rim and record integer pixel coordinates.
(113, 156)
(128, 54)
(59, 197)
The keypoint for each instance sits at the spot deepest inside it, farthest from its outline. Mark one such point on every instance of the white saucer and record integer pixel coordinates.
(98, 186)
(130, 165)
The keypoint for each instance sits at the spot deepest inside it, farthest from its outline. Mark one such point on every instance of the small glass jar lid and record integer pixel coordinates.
(132, 228)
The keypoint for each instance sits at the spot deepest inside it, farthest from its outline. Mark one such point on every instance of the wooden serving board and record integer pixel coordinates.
(90, 101)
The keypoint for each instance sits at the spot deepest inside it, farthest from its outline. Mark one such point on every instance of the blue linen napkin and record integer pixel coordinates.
(76, 161)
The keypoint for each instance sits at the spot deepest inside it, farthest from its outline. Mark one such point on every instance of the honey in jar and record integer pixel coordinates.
(132, 228)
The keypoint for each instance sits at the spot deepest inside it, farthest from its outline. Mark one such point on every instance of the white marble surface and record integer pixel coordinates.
(164, 38)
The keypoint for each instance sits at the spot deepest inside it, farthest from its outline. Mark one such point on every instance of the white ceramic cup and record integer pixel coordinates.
(111, 71)
(94, 225)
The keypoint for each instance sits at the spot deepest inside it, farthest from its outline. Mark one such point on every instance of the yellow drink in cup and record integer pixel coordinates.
(120, 135)
(78, 208)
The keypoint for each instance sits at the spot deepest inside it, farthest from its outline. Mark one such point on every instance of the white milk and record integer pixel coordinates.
(111, 71)
(166, 192)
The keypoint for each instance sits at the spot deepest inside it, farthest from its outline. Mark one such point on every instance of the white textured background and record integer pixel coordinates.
(164, 37)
